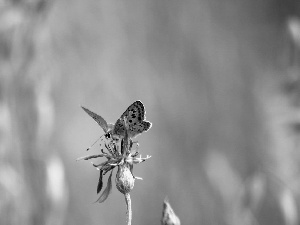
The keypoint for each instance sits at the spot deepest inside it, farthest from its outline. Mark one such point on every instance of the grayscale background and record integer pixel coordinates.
(220, 81)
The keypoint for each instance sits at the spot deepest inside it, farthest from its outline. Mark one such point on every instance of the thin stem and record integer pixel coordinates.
(128, 204)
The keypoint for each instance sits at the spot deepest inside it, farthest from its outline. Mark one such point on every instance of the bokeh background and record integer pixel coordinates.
(220, 83)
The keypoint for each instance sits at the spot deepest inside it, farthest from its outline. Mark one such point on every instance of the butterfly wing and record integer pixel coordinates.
(119, 128)
(139, 128)
(135, 112)
(102, 123)
(135, 115)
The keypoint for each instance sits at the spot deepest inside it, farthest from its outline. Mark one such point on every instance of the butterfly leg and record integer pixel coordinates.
(109, 148)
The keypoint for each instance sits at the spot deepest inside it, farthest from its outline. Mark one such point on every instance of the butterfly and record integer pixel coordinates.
(135, 119)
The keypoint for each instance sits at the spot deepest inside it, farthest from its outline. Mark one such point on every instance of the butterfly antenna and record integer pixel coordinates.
(94, 143)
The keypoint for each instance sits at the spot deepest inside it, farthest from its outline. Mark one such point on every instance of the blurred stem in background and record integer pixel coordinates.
(31, 173)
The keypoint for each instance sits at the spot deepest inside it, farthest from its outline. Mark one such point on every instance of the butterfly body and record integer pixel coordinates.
(135, 118)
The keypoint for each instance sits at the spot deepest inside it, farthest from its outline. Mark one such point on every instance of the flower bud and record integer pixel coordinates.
(169, 217)
(124, 179)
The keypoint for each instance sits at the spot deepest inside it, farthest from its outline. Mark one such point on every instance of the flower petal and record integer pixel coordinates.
(91, 157)
(107, 190)
(100, 182)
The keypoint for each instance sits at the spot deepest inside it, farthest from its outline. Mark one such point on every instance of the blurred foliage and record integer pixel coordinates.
(220, 83)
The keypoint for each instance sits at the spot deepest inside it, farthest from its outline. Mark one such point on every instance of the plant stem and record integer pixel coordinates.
(128, 204)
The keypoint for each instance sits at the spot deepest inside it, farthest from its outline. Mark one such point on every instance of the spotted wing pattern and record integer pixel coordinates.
(135, 115)
(135, 112)
(139, 128)
(97, 118)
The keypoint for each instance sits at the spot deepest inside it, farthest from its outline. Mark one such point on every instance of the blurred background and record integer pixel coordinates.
(220, 81)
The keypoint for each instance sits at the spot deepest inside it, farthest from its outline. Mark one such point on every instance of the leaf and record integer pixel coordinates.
(107, 190)
(100, 182)
(102, 123)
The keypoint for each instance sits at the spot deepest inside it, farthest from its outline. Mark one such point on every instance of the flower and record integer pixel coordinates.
(119, 153)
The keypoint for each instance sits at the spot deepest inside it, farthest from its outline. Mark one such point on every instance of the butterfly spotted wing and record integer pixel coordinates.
(103, 124)
(135, 115)
(139, 127)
